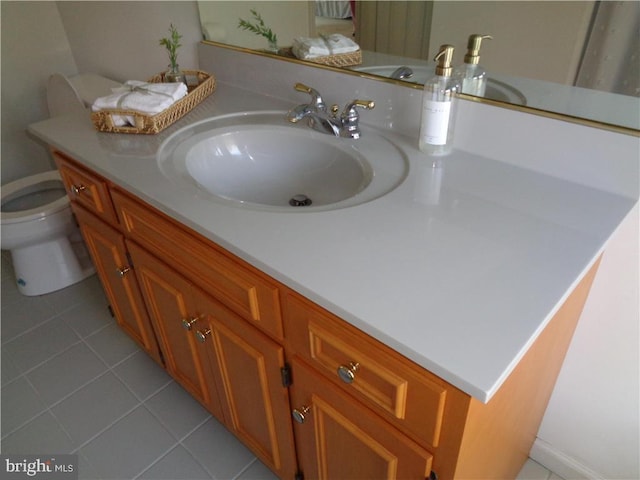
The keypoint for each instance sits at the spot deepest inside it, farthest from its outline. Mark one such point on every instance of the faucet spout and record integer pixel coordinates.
(298, 113)
(318, 118)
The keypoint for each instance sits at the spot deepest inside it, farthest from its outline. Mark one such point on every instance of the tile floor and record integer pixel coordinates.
(72, 382)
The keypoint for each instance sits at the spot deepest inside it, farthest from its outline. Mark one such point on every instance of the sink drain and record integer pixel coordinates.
(300, 200)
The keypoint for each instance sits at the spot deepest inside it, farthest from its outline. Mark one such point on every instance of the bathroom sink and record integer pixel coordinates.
(495, 90)
(259, 160)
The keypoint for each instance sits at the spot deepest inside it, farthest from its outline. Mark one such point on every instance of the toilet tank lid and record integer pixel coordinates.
(90, 86)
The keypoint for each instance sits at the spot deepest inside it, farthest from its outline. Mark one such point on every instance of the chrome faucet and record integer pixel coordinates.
(319, 118)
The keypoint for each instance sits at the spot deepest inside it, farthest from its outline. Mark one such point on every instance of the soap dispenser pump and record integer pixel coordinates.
(438, 106)
(472, 76)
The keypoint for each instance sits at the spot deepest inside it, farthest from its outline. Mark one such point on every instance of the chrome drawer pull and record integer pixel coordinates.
(123, 271)
(187, 323)
(202, 336)
(300, 415)
(76, 189)
(348, 373)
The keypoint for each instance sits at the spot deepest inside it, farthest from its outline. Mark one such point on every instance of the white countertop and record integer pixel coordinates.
(460, 280)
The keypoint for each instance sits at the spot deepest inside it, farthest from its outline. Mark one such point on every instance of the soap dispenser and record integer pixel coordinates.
(438, 106)
(471, 75)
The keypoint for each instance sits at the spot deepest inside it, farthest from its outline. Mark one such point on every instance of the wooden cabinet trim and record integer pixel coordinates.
(94, 195)
(108, 251)
(373, 380)
(166, 292)
(242, 288)
(256, 403)
(408, 396)
(340, 439)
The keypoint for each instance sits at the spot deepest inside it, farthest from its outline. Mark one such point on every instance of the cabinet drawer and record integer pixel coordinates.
(403, 393)
(237, 285)
(86, 188)
(340, 439)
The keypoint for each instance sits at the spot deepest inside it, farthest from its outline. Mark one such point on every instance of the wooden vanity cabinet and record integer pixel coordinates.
(96, 217)
(176, 316)
(239, 286)
(254, 398)
(86, 188)
(341, 374)
(217, 322)
(337, 439)
(310, 394)
(228, 365)
(110, 257)
(212, 322)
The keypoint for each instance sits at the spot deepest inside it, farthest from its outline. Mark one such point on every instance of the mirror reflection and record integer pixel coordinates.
(578, 58)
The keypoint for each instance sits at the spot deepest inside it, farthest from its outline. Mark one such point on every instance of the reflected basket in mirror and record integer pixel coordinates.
(340, 60)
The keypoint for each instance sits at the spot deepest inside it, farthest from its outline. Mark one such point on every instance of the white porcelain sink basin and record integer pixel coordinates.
(259, 160)
(495, 90)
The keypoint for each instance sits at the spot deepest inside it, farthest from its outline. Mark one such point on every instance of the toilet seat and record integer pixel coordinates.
(13, 189)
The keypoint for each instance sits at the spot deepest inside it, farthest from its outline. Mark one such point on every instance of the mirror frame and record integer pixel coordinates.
(520, 108)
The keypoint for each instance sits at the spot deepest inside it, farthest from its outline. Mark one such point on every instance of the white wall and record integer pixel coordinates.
(116, 39)
(119, 40)
(591, 428)
(34, 45)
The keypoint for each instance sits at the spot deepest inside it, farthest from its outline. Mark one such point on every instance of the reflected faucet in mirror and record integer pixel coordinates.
(545, 59)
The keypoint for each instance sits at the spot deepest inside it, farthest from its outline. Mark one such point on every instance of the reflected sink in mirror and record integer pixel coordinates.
(496, 90)
(259, 160)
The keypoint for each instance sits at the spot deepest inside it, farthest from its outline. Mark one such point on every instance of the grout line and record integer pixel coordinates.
(103, 430)
(190, 432)
(34, 327)
(247, 467)
(186, 447)
(38, 365)
(47, 407)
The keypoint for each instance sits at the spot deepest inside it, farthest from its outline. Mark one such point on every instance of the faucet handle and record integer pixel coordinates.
(316, 99)
(350, 117)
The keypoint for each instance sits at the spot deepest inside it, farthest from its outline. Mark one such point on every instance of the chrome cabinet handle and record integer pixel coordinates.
(348, 373)
(123, 271)
(299, 415)
(202, 336)
(76, 189)
(187, 323)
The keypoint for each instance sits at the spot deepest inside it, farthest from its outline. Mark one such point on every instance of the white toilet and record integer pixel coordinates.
(46, 247)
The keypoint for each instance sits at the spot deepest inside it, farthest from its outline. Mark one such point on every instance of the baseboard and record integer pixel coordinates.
(560, 463)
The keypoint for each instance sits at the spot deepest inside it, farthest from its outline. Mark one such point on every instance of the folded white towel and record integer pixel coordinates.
(146, 98)
(335, 44)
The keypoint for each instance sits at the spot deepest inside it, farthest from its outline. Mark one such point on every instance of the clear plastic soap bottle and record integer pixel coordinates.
(471, 75)
(438, 106)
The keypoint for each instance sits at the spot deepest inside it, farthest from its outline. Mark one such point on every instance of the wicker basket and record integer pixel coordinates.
(341, 60)
(150, 124)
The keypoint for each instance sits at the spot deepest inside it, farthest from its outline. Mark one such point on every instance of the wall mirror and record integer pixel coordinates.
(577, 58)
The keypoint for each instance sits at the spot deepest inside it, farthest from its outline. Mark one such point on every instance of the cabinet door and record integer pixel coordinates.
(176, 318)
(255, 401)
(108, 251)
(339, 438)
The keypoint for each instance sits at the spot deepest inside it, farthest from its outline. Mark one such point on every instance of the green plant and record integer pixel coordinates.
(259, 28)
(172, 44)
